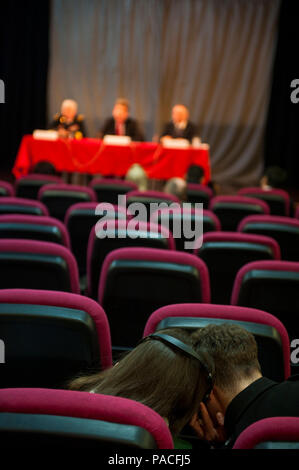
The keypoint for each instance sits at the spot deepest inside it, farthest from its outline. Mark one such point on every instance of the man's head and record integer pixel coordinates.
(195, 174)
(274, 177)
(179, 114)
(235, 354)
(177, 187)
(120, 110)
(69, 109)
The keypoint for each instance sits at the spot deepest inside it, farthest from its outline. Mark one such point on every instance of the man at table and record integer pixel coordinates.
(68, 122)
(179, 127)
(121, 123)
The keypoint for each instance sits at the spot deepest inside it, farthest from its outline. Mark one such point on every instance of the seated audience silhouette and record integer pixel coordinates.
(163, 372)
(241, 395)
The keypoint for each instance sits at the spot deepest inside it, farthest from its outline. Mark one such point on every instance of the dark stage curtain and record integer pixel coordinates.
(24, 51)
(282, 134)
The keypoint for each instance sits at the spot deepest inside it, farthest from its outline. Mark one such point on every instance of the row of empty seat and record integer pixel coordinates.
(135, 281)
(50, 337)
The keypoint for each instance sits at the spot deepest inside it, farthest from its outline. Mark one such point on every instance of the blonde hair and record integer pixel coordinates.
(137, 175)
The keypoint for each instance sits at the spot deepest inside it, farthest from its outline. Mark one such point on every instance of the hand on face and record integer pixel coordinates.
(206, 428)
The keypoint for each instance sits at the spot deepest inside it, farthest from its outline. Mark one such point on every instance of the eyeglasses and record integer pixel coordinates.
(187, 350)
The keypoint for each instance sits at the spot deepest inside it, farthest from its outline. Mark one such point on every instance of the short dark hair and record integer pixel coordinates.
(168, 381)
(276, 176)
(234, 351)
(44, 167)
(194, 174)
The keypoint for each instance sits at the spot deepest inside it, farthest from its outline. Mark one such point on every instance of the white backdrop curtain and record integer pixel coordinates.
(215, 56)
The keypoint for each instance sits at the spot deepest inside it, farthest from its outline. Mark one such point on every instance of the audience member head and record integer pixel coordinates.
(69, 109)
(137, 175)
(179, 114)
(274, 177)
(177, 187)
(159, 375)
(235, 354)
(195, 174)
(44, 167)
(120, 110)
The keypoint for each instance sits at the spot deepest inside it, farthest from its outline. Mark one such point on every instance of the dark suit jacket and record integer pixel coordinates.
(261, 399)
(188, 133)
(131, 129)
(59, 121)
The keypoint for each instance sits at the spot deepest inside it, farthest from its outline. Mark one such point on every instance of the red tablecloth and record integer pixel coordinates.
(94, 157)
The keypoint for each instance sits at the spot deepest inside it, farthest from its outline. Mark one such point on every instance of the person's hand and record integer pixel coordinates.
(205, 428)
(63, 133)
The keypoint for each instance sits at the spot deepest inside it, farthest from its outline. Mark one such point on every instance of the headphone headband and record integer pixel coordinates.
(187, 350)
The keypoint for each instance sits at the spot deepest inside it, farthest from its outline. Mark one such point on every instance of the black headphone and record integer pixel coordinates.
(186, 349)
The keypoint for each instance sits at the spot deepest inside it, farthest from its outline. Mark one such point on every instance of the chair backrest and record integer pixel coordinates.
(28, 185)
(136, 281)
(59, 197)
(149, 199)
(80, 218)
(108, 189)
(29, 417)
(18, 205)
(184, 223)
(285, 230)
(34, 264)
(6, 189)
(278, 200)
(232, 209)
(199, 193)
(31, 227)
(226, 252)
(111, 235)
(279, 432)
(50, 337)
(271, 286)
(270, 334)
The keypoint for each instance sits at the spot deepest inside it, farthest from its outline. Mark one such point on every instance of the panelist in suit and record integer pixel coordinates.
(121, 123)
(179, 126)
(68, 122)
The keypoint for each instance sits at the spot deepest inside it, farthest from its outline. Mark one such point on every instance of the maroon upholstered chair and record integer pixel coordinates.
(29, 417)
(34, 264)
(6, 189)
(271, 286)
(270, 433)
(178, 218)
(232, 209)
(226, 252)
(50, 337)
(34, 228)
(136, 281)
(108, 189)
(106, 237)
(28, 185)
(199, 193)
(18, 205)
(59, 197)
(270, 334)
(278, 200)
(80, 218)
(150, 197)
(285, 230)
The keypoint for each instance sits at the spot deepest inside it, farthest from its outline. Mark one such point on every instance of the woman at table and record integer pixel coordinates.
(68, 123)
